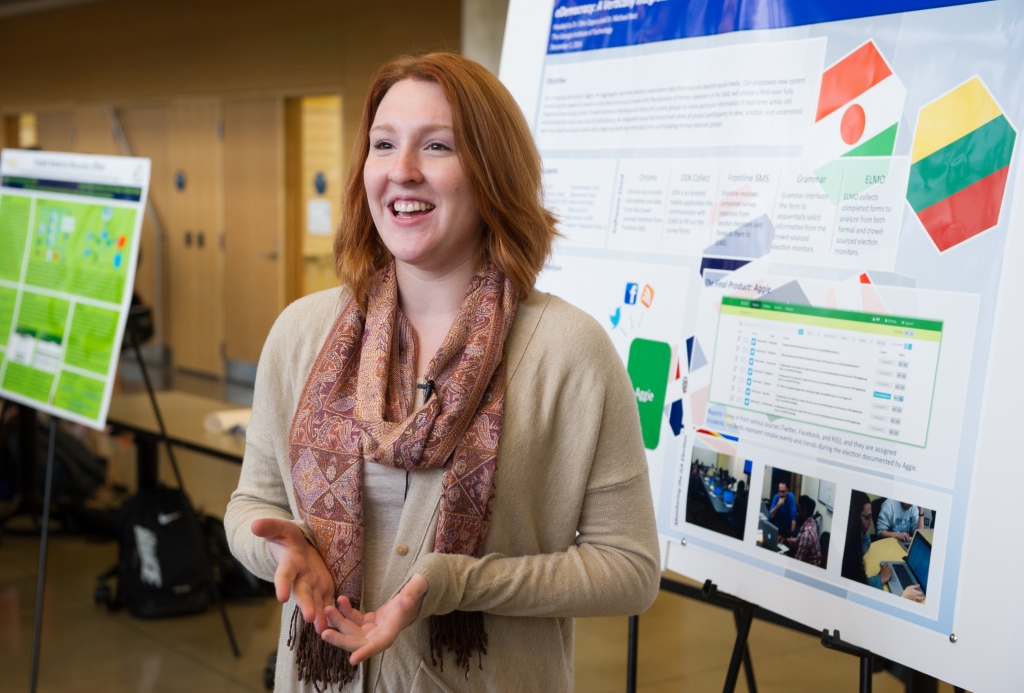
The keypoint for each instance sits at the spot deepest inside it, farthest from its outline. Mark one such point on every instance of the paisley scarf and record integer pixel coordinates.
(356, 407)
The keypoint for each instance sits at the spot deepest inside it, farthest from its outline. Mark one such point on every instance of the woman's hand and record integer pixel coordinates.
(886, 573)
(914, 593)
(300, 570)
(365, 635)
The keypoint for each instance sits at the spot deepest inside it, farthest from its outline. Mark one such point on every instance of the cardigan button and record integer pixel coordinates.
(401, 549)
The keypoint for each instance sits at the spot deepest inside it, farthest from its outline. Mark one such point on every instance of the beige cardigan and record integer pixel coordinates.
(572, 531)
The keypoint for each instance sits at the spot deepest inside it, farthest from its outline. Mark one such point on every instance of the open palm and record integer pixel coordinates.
(365, 635)
(300, 569)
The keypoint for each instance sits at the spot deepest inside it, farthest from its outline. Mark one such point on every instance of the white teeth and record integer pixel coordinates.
(413, 206)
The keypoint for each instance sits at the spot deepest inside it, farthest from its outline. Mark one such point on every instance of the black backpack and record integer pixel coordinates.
(159, 572)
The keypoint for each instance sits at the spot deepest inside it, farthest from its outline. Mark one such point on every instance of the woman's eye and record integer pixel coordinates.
(383, 144)
(438, 147)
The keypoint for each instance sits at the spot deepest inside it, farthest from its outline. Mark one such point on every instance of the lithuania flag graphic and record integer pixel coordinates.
(854, 132)
(959, 162)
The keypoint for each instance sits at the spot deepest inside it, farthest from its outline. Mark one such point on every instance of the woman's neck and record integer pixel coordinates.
(430, 301)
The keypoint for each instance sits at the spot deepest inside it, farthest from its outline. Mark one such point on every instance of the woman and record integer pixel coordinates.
(444, 465)
(857, 544)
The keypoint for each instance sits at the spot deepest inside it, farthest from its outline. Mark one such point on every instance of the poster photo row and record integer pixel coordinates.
(853, 536)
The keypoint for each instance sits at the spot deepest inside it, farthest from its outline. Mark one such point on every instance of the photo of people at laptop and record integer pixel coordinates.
(889, 545)
(717, 494)
(796, 516)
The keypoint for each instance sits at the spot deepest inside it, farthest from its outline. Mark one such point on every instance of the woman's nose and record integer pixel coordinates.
(406, 167)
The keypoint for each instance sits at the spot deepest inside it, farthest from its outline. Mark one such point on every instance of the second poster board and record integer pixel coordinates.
(69, 244)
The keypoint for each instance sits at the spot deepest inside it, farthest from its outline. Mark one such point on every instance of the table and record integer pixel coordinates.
(888, 549)
(184, 415)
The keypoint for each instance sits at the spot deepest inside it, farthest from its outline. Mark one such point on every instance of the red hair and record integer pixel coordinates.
(497, 154)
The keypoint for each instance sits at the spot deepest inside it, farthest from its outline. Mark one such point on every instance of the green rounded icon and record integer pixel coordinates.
(648, 367)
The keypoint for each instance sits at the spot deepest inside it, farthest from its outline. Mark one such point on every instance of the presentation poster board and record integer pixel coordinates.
(69, 244)
(794, 220)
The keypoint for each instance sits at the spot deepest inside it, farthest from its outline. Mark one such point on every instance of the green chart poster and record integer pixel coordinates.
(69, 240)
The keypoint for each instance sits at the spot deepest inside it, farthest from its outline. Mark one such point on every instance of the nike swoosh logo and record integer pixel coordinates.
(166, 518)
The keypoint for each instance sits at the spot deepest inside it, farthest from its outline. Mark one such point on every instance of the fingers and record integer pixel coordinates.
(372, 647)
(349, 643)
(345, 606)
(344, 625)
(284, 578)
(267, 527)
(304, 601)
(277, 531)
(319, 620)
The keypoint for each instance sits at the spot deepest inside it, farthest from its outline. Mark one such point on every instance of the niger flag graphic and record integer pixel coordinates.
(959, 162)
(859, 109)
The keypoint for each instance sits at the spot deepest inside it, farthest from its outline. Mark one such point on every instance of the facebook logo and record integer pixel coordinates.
(631, 291)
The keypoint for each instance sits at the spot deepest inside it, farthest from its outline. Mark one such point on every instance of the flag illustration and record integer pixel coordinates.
(859, 108)
(959, 163)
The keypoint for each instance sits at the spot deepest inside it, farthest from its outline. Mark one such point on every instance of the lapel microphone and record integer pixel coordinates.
(429, 387)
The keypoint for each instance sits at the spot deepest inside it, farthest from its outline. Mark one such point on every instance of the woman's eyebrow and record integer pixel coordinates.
(430, 127)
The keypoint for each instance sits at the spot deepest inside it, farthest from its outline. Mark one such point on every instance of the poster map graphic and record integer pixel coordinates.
(69, 238)
(792, 222)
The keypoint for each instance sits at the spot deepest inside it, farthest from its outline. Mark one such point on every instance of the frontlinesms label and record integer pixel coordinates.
(862, 373)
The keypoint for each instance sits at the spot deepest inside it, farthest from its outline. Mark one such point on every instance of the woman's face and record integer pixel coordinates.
(865, 518)
(418, 193)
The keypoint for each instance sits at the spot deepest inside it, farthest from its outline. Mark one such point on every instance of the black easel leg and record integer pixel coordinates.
(748, 667)
(193, 525)
(745, 619)
(865, 675)
(44, 537)
(634, 642)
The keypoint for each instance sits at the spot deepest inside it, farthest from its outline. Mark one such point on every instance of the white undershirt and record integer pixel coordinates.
(383, 499)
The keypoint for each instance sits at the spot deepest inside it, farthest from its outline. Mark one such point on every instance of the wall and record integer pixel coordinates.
(483, 30)
(709, 458)
(147, 57)
(123, 50)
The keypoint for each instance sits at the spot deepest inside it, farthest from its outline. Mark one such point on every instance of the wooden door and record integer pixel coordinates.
(146, 128)
(195, 291)
(253, 223)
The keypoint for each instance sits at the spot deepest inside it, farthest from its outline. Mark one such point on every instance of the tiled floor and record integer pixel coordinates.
(684, 645)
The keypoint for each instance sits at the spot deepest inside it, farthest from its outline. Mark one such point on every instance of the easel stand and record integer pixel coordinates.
(44, 537)
(634, 644)
(193, 525)
(743, 613)
(834, 642)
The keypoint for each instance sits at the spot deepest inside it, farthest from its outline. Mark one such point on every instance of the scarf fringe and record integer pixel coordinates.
(317, 661)
(461, 633)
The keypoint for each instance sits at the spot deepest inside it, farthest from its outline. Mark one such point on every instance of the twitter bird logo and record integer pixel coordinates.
(615, 317)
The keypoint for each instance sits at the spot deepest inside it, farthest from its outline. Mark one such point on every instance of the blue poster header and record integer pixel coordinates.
(586, 25)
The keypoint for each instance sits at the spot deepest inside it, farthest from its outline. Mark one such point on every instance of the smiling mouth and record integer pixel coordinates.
(410, 210)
